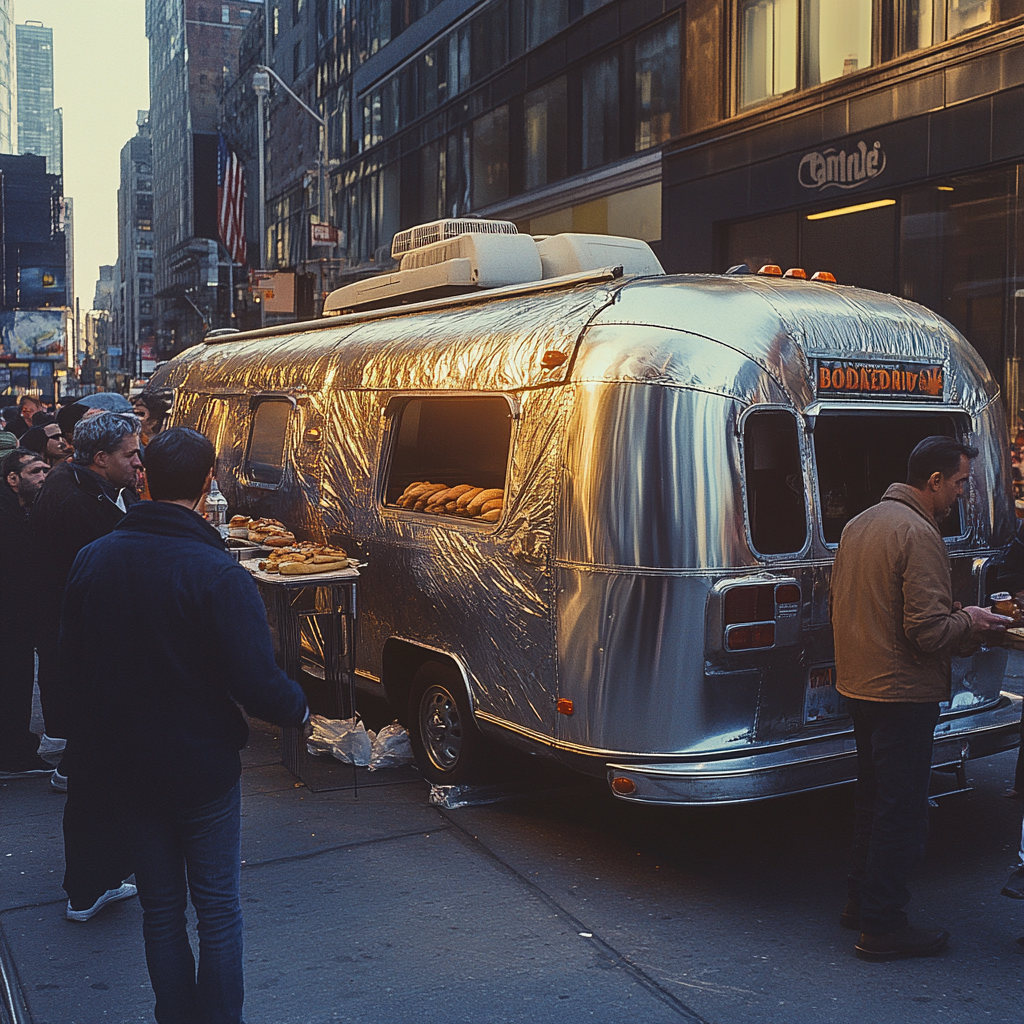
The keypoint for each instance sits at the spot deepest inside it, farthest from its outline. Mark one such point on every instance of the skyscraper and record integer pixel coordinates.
(6, 80)
(193, 54)
(40, 126)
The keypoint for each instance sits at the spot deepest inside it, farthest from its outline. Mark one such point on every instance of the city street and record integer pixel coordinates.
(559, 905)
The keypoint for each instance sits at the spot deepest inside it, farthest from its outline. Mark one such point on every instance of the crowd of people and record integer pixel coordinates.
(81, 536)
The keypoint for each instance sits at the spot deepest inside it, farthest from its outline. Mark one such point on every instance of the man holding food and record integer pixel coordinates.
(896, 628)
(207, 644)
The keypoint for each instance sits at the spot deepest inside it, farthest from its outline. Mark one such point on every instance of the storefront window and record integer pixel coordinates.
(837, 39)
(601, 111)
(657, 85)
(768, 47)
(490, 158)
(545, 148)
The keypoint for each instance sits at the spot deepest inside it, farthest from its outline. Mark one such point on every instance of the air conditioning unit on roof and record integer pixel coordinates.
(441, 230)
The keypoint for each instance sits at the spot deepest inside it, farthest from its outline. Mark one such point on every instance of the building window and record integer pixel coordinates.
(297, 6)
(544, 18)
(601, 111)
(145, 265)
(276, 22)
(544, 124)
(297, 60)
(490, 158)
(837, 36)
(657, 85)
(927, 22)
(768, 46)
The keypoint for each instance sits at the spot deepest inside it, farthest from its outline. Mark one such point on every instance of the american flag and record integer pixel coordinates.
(230, 201)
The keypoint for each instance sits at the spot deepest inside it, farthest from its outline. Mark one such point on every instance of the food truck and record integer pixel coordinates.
(672, 458)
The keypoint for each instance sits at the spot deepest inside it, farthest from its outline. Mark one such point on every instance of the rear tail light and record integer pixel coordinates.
(751, 611)
(749, 638)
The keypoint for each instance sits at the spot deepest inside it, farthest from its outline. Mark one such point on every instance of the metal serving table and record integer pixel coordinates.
(330, 600)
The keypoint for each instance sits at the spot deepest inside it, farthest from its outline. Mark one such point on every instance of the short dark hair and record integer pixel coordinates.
(936, 455)
(16, 460)
(177, 462)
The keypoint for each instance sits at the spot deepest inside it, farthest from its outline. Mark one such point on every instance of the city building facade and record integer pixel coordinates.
(877, 139)
(193, 48)
(40, 125)
(6, 77)
(136, 305)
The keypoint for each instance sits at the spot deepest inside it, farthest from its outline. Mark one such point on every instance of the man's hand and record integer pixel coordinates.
(984, 621)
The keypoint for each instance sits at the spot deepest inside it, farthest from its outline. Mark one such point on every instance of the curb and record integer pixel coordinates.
(13, 1008)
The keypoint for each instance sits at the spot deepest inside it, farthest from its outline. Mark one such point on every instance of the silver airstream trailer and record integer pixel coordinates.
(678, 456)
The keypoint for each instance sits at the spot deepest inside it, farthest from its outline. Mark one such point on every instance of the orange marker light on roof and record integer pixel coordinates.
(796, 272)
(823, 275)
(771, 270)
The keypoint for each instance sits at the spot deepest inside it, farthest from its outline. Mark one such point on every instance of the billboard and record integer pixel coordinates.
(33, 333)
(41, 286)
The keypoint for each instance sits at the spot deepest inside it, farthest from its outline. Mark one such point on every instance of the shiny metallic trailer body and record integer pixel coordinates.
(624, 515)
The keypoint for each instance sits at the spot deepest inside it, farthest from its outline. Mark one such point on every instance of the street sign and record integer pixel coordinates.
(323, 234)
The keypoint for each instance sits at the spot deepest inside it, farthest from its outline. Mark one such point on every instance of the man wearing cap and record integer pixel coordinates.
(23, 474)
(47, 441)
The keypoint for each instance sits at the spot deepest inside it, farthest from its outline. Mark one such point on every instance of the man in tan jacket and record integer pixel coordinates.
(896, 629)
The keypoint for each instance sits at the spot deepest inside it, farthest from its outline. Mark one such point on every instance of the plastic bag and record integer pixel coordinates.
(391, 748)
(345, 738)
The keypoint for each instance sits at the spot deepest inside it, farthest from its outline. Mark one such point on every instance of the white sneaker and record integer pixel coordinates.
(125, 891)
(50, 745)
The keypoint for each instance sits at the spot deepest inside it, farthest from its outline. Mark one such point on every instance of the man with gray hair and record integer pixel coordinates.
(80, 502)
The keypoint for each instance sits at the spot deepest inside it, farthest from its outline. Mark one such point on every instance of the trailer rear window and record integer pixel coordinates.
(457, 442)
(776, 508)
(265, 457)
(859, 455)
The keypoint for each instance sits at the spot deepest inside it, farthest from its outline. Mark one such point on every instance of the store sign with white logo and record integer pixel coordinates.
(839, 168)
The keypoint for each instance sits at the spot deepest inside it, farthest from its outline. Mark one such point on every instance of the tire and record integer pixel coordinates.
(445, 739)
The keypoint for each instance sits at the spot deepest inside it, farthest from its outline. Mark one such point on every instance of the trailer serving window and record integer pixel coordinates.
(776, 509)
(449, 441)
(264, 458)
(859, 455)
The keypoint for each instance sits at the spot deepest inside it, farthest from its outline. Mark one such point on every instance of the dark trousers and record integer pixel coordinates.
(1018, 772)
(96, 853)
(17, 671)
(193, 851)
(894, 755)
(53, 694)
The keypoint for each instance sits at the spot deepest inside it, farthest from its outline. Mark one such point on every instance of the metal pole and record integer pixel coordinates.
(261, 86)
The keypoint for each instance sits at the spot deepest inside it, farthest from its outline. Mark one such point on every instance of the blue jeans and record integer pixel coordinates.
(193, 851)
(894, 762)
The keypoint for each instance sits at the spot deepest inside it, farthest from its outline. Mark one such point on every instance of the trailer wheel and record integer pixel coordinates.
(447, 744)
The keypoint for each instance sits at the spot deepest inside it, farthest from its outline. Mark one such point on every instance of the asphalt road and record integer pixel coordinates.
(558, 905)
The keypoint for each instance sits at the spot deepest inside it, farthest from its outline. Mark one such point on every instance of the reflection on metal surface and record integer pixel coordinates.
(625, 509)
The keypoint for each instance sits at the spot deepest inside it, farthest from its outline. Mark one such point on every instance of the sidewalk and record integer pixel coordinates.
(376, 910)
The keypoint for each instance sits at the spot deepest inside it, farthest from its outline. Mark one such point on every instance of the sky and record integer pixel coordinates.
(101, 80)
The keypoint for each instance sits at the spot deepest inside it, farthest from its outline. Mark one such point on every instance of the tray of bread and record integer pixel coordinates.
(265, 532)
(481, 504)
(304, 560)
(1014, 637)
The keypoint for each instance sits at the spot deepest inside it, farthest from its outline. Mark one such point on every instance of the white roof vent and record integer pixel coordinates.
(440, 230)
(573, 254)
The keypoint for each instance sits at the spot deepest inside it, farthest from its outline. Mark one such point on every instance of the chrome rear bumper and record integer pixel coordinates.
(830, 761)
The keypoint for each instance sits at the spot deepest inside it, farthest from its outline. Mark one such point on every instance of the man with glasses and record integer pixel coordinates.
(80, 502)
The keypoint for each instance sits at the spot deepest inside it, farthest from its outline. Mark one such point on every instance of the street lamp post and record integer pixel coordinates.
(261, 86)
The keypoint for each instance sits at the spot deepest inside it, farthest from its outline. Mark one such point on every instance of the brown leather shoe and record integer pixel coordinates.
(850, 917)
(907, 941)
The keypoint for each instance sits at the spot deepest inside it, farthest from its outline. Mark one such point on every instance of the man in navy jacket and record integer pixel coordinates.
(156, 718)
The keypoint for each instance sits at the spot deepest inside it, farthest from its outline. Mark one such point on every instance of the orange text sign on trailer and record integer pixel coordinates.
(846, 378)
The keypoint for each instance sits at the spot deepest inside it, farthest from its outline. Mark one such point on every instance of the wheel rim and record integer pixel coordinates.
(441, 727)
